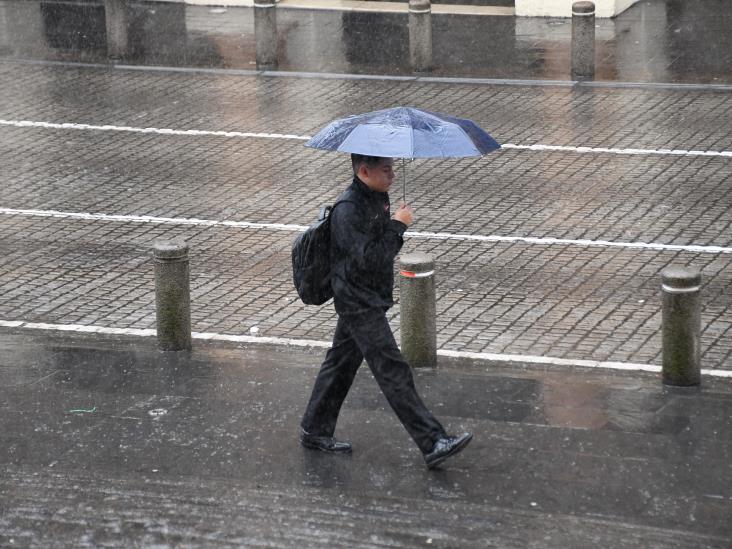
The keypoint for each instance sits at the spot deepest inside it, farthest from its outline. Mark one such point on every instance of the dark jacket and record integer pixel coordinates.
(364, 242)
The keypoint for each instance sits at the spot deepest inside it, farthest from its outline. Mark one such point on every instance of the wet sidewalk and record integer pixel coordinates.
(110, 442)
(653, 41)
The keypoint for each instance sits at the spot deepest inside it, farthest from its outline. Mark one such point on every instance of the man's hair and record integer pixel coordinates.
(370, 161)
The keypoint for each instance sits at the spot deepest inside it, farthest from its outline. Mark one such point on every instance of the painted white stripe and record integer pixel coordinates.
(300, 228)
(76, 328)
(490, 357)
(604, 150)
(212, 133)
(261, 339)
(552, 361)
(573, 242)
(161, 131)
(154, 220)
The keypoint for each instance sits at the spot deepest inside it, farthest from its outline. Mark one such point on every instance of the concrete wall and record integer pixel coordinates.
(527, 8)
(4, 29)
(20, 23)
(640, 50)
(563, 8)
(245, 3)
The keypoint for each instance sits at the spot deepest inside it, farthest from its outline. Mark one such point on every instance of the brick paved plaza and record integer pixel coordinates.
(548, 259)
(593, 301)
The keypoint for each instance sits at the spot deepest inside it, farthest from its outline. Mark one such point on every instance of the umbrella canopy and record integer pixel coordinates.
(404, 132)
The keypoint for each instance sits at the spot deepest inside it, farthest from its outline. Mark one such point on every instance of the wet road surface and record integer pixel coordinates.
(110, 442)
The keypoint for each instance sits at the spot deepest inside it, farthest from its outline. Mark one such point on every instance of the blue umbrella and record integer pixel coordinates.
(404, 132)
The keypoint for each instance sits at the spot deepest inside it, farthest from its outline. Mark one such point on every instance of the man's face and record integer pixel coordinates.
(379, 177)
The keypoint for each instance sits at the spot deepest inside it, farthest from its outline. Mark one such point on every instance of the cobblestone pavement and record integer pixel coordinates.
(562, 300)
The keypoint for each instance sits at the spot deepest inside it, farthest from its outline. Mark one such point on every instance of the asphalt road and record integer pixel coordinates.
(106, 442)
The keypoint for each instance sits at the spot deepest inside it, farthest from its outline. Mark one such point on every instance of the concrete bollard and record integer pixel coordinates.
(681, 320)
(583, 41)
(420, 35)
(265, 33)
(117, 21)
(172, 295)
(418, 313)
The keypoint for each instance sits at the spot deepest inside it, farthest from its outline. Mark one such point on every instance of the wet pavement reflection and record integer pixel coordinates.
(129, 421)
(653, 41)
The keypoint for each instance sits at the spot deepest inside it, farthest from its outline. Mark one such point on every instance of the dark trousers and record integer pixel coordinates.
(368, 336)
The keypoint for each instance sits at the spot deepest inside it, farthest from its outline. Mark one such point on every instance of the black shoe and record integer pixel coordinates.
(446, 447)
(324, 444)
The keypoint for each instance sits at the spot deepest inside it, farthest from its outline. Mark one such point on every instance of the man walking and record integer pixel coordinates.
(364, 244)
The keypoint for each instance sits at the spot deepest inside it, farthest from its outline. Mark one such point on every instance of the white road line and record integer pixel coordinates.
(603, 150)
(412, 234)
(212, 133)
(154, 220)
(572, 242)
(160, 131)
(291, 342)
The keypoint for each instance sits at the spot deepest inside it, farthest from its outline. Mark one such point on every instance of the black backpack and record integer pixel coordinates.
(311, 260)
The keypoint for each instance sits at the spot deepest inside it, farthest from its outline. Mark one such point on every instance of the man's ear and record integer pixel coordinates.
(362, 171)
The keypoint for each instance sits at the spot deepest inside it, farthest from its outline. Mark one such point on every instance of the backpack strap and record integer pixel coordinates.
(325, 211)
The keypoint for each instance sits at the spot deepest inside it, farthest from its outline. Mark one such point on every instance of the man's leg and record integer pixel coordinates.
(332, 384)
(375, 339)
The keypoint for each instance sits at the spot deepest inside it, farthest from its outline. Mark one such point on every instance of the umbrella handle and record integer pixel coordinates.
(404, 178)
